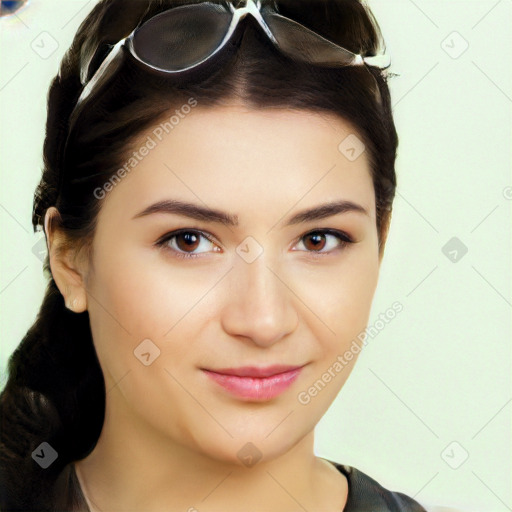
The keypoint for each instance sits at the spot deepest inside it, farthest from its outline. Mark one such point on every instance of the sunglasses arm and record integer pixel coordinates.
(89, 86)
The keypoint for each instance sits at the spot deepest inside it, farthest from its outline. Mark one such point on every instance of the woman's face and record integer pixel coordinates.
(240, 329)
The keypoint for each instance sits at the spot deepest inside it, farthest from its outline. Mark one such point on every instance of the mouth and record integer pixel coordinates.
(251, 383)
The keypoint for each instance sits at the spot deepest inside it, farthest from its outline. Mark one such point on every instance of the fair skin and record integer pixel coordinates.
(171, 434)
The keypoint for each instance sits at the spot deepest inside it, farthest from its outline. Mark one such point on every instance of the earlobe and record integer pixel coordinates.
(65, 272)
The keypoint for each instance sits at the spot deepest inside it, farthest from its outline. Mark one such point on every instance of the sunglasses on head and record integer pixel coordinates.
(186, 38)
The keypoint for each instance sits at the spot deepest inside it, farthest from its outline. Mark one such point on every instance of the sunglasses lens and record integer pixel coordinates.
(302, 44)
(182, 37)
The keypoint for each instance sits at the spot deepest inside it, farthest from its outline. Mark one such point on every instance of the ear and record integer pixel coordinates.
(386, 222)
(67, 273)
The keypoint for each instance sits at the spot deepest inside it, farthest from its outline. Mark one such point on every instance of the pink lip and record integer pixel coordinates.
(253, 383)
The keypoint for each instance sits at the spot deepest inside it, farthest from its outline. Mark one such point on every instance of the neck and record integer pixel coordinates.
(132, 467)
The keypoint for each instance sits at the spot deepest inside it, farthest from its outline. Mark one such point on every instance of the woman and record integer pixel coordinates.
(216, 197)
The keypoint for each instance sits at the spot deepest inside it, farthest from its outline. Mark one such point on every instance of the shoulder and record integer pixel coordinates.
(364, 493)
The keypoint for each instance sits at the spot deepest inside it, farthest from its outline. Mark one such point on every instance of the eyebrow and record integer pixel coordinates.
(202, 213)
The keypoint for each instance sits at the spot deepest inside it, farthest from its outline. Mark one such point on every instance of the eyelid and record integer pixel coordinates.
(170, 234)
(343, 235)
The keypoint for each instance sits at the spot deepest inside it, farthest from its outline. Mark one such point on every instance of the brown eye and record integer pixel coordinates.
(317, 241)
(324, 241)
(187, 241)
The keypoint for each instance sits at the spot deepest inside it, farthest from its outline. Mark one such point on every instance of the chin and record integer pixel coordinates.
(254, 442)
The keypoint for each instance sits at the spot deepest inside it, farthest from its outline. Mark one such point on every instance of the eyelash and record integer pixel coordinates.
(343, 238)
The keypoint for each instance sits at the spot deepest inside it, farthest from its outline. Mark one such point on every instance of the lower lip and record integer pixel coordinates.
(255, 388)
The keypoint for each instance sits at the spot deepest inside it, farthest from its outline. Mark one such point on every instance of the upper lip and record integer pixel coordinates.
(255, 371)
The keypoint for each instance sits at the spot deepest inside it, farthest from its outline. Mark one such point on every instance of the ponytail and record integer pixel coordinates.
(56, 395)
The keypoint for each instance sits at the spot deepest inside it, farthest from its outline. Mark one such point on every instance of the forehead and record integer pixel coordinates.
(241, 158)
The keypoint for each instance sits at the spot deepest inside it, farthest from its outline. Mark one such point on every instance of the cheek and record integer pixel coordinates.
(341, 296)
(140, 297)
(342, 300)
(138, 294)
(143, 290)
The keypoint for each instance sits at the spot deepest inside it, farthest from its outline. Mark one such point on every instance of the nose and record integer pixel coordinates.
(259, 306)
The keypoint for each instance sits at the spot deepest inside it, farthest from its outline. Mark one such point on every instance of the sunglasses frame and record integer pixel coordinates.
(252, 7)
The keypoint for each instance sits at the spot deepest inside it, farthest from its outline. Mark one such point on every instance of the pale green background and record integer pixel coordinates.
(440, 371)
